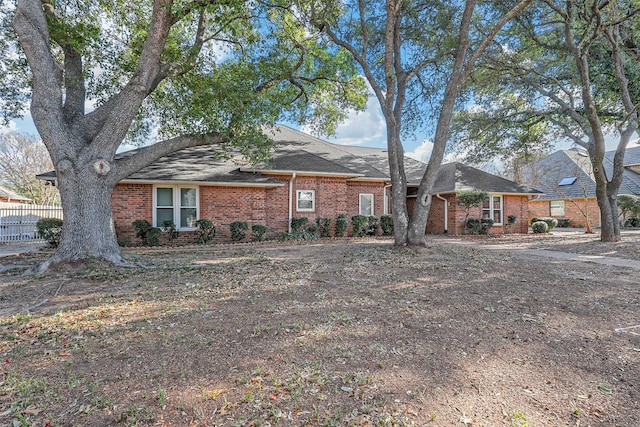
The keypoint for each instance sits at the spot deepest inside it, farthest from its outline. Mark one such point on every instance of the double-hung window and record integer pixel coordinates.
(556, 207)
(176, 204)
(492, 208)
(306, 200)
(366, 204)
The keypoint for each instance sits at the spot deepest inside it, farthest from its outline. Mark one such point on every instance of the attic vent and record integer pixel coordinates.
(567, 181)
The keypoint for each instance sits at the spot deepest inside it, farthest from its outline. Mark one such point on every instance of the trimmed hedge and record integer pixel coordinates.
(540, 227)
(50, 229)
(478, 225)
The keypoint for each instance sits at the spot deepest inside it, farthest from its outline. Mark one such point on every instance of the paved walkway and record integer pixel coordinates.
(567, 256)
(9, 249)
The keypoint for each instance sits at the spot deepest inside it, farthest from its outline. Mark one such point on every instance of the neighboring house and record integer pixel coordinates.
(569, 188)
(10, 196)
(306, 177)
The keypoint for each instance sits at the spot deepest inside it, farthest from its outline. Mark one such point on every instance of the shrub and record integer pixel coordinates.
(632, 222)
(372, 225)
(50, 229)
(564, 222)
(205, 231)
(324, 226)
(341, 225)
(360, 225)
(170, 228)
(551, 222)
(149, 234)
(540, 227)
(478, 225)
(386, 223)
(297, 224)
(239, 230)
(299, 232)
(257, 232)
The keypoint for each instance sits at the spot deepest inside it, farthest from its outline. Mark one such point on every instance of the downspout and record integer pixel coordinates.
(385, 199)
(293, 177)
(446, 212)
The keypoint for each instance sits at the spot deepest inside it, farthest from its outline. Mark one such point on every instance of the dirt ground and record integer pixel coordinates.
(335, 333)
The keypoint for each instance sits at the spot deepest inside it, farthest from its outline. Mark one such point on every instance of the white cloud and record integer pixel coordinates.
(421, 152)
(365, 128)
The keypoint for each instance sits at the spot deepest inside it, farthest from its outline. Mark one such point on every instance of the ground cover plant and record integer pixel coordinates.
(336, 333)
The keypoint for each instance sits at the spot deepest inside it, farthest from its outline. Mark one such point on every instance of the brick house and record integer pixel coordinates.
(506, 198)
(569, 189)
(306, 176)
(10, 196)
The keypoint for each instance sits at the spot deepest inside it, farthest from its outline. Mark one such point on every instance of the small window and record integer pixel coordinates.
(306, 200)
(556, 208)
(492, 208)
(176, 204)
(567, 181)
(366, 204)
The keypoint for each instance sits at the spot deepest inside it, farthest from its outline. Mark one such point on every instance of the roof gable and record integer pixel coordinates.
(456, 176)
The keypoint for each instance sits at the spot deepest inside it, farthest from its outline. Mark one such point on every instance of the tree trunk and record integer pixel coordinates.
(398, 185)
(88, 230)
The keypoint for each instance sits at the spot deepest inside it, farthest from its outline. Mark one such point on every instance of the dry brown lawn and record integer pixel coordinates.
(335, 333)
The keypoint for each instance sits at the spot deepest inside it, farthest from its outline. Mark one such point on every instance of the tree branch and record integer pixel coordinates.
(138, 159)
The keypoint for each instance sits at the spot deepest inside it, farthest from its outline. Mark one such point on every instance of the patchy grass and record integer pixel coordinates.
(330, 333)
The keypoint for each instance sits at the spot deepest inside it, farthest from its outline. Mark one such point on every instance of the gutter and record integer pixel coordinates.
(446, 212)
(293, 177)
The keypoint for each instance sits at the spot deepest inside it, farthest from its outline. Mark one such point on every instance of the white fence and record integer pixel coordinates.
(18, 221)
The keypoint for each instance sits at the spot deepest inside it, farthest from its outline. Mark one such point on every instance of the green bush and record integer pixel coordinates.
(205, 231)
(551, 222)
(50, 229)
(478, 225)
(258, 232)
(372, 225)
(564, 223)
(360, 225)
(632, 222)
(540, 227)
(297, 224)
(146, 232)
(170, 228)
(239, 230)
(512, 219)
(324, 226)
(386, 223)
(341, 225)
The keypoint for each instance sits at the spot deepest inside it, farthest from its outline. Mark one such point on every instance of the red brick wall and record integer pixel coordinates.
(224, 205)
(511, 205)
(270, 207)
(571, 211)
(130, 202)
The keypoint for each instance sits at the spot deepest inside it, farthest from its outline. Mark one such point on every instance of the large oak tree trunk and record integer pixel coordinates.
(88, 230)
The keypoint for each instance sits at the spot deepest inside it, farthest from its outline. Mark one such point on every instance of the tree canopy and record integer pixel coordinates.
(175, 72)
(567, 71)
(416, 55)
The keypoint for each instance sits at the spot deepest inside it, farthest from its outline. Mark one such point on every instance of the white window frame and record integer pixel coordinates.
(560, 206)
(313, 201)
(361, 195)
(491, 210)
(176, 205)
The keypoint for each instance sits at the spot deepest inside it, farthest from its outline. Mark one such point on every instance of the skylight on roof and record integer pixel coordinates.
(567, 181)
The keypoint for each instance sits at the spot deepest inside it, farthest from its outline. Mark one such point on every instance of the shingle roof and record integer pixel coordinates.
(5, 193)
(456, 176)
(298, 152)
(547, 173)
